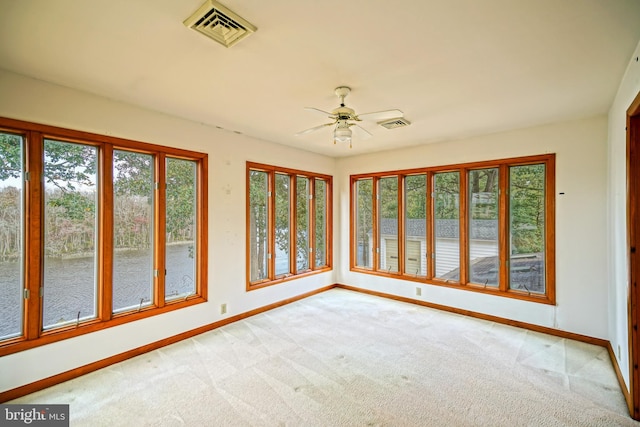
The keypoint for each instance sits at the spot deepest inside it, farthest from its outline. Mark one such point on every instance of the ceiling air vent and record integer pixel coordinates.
(219, 23)
(395, 123)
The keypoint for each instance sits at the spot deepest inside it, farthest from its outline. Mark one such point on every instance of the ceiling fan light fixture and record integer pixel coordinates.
(342, 133)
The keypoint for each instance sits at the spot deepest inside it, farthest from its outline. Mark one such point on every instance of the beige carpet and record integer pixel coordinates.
(343, 358)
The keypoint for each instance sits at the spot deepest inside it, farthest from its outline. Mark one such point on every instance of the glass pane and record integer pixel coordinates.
(283, 224)
(11, 235)
(483, 227)
(321, 223)
(132, 230)
(70, 233)
(526, 225)
(364, 222)
(447, 225)
(258, 220)
(181, 223)
(415, 225)
(388, 213)
(302, 223)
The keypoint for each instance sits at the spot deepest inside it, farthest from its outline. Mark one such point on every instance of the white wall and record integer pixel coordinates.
(618, 273)
(581, 174)
(32, 100)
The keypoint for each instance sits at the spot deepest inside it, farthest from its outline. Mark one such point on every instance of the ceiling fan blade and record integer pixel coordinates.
(304, 132)
(381, 115)
(317, 110)
(361, 133)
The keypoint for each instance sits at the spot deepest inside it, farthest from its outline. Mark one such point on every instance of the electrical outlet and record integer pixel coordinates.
(418, 291)
(223, 308)
(619, 352)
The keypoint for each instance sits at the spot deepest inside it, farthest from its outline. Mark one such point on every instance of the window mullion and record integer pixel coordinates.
(401, 230)
(160, 220)
(376, 223)
(271, 227)
(105, 233)
(293, 266)
(464, 226)
(430, 225)
(202, 247)
(503, 227)
(550, 226)
(311, 196)
(34, 243)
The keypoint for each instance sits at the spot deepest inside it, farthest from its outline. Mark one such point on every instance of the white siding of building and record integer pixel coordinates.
(482, 249)
(447, 256)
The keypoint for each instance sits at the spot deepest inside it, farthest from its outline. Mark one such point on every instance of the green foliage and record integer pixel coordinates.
(10, 156)
(69, 166)
(302, 223)
(416, 196)
(388, 190)
(288, 189)
(282, 213)
(133, 197)
(526, 198)
(364, 220)
(10, 222)
(181, 202)
(73, 206)
(258, 224)
(320, 218)
(132, 173)
(483, 188)
(70, 197)
(10, 196)
(447, 198)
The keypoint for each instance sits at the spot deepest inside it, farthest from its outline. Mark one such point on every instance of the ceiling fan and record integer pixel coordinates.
(345, 118)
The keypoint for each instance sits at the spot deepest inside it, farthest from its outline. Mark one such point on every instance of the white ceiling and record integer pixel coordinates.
(456, 68)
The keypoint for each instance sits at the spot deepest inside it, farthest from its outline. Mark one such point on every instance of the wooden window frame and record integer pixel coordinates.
(34, 135)
(271, 172)
(549, 297)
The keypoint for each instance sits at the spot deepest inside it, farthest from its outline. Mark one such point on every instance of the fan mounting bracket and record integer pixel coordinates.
(342, 92)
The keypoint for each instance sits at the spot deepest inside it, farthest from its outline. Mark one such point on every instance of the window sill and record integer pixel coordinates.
(515, 294)
(286, 278)
(18, 344)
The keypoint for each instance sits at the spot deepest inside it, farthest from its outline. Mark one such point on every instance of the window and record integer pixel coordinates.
(446, 239)
(70, 282)
(302, 224)
(181, 229)
(12, 255)
(527, 228)
(283, 224)
(321, 220)
(258, 245)
(415, 225)
(133, 239)
(484, 226)
(363, 200)
(388, 224)
(95, 231)
(288, 224)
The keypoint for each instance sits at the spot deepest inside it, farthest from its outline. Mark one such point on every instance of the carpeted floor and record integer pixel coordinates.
(343, 358)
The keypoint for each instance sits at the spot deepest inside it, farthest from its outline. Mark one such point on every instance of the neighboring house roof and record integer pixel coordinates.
(481, 229)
